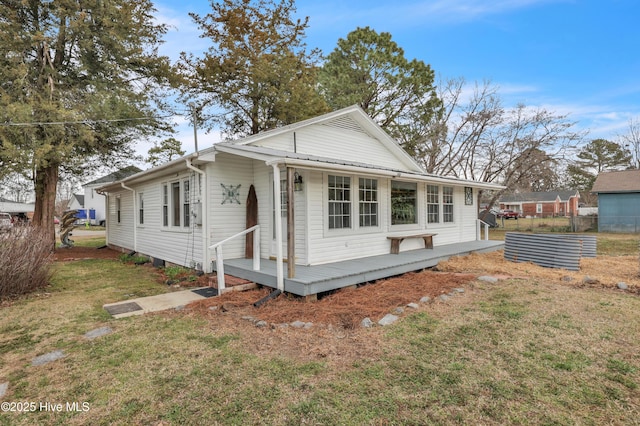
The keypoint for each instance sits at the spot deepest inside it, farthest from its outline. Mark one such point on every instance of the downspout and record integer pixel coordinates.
(278, 224)
(135, 227)
(106, 209)
(204, 200)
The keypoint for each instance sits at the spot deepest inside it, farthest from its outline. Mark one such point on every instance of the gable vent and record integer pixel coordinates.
(345, 123)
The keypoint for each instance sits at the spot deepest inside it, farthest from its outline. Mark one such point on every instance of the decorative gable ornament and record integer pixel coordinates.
(230, 193)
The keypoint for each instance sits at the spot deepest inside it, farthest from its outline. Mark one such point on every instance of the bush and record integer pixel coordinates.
(25, 260)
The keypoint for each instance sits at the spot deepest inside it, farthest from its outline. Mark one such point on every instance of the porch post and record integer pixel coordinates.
(291, 226)
(278, 224)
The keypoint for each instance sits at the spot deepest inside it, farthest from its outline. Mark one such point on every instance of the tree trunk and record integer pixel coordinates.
(45, 188)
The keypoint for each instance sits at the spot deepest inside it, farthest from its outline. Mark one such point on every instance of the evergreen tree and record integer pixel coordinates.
(369, 69)
(257, 75)
(77, 80)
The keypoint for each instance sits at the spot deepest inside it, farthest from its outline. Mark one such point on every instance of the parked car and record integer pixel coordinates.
(508, 214)
(6, 222)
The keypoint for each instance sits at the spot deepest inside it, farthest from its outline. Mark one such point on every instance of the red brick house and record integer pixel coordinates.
(542, 204)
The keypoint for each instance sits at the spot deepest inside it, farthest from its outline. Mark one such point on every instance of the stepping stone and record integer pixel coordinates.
(4, 387)
(47, 358)
(98, 332)
(488, 279)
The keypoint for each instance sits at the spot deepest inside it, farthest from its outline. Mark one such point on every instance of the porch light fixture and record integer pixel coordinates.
(298, 184)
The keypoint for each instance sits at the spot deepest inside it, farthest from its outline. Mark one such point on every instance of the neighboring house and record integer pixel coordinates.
(16, 209)
(618, 201)
(542, 204)
(76, 202)
(92, 200)
(353, 186)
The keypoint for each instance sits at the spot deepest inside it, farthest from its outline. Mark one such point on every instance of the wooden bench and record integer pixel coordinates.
(396, 240)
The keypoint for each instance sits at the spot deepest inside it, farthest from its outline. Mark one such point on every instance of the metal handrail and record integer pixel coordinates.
(220, 258)
(479, 223)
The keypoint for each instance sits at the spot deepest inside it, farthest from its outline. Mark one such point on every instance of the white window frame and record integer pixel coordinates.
(539, 208)
(339, 195)
(448, 201)
(176, 204)
(354, 205)
(368, 202)
(417, 213)
(141, 208)
(118, 210)
(433, 202)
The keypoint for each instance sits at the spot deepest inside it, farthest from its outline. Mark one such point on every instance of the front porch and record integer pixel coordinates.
(310, 280)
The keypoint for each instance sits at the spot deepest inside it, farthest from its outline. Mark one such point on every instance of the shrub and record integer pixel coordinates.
(138, 260)
(25, 260)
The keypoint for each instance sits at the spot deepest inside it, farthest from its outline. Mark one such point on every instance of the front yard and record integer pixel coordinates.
(532, 348)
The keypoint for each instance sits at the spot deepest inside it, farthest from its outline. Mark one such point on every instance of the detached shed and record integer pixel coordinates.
(618, 201)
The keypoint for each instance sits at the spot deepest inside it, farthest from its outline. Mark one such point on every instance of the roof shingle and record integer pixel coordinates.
(620, 181)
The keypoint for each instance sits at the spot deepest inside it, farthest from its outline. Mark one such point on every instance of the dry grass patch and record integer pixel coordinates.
(609, 270)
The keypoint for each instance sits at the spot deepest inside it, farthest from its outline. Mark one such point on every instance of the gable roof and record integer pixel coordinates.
(548, 196)
(352, 119)
(116, 176)
(356, 120)
(619, 181)
(80, 198)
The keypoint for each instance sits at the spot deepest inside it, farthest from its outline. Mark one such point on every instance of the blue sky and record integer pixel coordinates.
(575, 57)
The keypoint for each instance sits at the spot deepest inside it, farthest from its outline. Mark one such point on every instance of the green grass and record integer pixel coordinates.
(515, 352)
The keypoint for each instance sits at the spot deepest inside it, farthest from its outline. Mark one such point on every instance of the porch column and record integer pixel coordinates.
(278, 224)
(291, 225)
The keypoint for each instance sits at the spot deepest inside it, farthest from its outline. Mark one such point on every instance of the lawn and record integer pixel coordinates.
(520, 351)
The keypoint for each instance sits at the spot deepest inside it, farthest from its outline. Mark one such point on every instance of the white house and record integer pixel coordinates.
(352, 187)
(96, 202)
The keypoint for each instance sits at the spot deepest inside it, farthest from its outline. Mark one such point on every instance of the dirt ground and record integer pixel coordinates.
(336, 335)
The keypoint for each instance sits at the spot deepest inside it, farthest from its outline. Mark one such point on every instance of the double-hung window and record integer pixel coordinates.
(176, 204)
(447, 204)
(118, 209)
(165, 205)
(339, 198)
(368, 200)
(141, 209)
(433, 204)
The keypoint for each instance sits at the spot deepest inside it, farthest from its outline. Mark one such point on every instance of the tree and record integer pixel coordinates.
(541, 176)
(78, 84)
(258, 71)
(597, 156)
(165, 151)
(370, 70)
(476, 138)
(631, 141)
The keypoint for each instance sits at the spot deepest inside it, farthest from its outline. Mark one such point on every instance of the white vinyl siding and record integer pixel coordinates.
(331, 141)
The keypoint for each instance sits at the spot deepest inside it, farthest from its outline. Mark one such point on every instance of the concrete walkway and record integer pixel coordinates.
(173, 300)
(160, 302)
